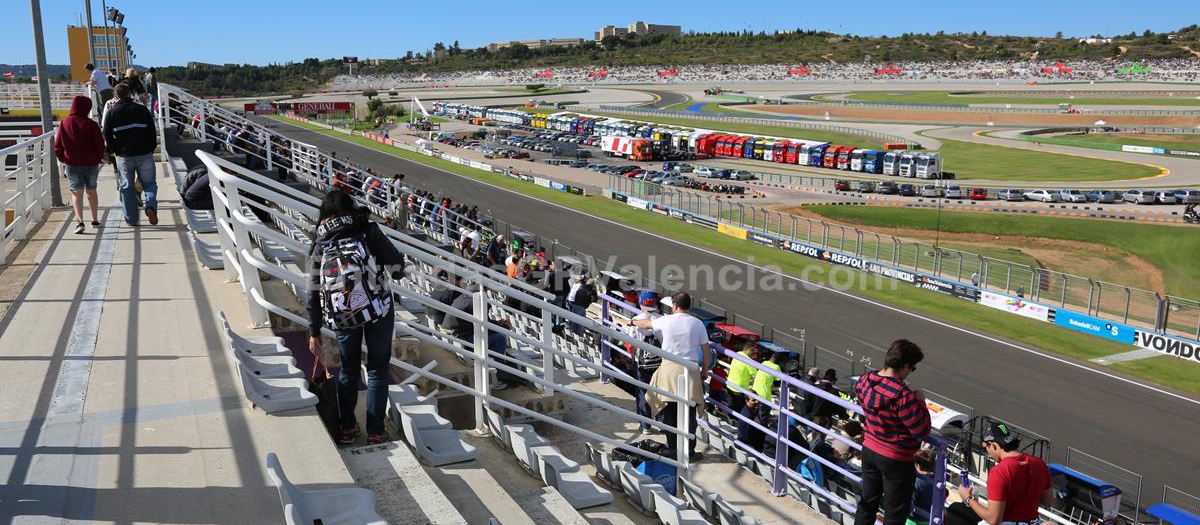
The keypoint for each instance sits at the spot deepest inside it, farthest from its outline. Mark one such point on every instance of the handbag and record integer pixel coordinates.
(324, 386)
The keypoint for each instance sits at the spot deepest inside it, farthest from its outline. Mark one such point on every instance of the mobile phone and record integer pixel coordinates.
(965, 479)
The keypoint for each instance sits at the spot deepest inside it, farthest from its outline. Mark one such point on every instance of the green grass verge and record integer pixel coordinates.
(1172, 249)
(944, 97)
(682, 106)
(969, 160)
(1027, 331)
(1138, 139)
(1169, 369)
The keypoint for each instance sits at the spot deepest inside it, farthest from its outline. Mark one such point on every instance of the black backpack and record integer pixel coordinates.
(354, 289)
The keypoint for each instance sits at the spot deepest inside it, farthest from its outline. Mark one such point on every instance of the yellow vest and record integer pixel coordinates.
(740, 374)
(763, 381)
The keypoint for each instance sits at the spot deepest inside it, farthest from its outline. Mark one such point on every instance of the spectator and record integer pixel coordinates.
(556, 282)
(196, 193)
(495, 251)
(815, 405)
(740, 375)
(813, 376)
(812, 469)
(764, 382)
(923, 491)
(897, 421)
(152, 87)
(851, 431)
(79, 146)
(346, 239)
(684, 336)
(129, 132)
(135, 83)
(1016, 486)
(751, 436)
(99, 81)
(580, 297)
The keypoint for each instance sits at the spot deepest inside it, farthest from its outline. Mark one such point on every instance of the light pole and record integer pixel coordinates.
(87, 6)
(35, 6)
(107, 38)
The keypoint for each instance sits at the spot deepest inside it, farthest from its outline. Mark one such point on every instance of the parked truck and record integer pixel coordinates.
(891, 163)
(908, 165)
(632, 148)
(929, 165)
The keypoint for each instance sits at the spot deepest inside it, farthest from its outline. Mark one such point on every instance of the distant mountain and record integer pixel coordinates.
(29, 70)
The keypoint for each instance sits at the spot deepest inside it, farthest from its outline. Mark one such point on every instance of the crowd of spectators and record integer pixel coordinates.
(1173, 70)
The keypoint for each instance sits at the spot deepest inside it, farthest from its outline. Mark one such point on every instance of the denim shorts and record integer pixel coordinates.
(82, 177)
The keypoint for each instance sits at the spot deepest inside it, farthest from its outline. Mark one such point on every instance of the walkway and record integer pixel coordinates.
(118, 402)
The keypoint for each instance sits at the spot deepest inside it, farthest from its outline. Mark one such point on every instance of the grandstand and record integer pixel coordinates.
(553, 443)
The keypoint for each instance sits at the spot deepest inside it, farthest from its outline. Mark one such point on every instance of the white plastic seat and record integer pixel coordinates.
(551, 464)
(731, 514)
(276, 395)
(638, 488)
(406, 395)
(268, 366)
(495, 425)
(424, 417)
(346, 506)
(437, 447)
(563, 475)
(700, 499)
(674, 511)
(252, 345)
(522, 438)
(603, 463)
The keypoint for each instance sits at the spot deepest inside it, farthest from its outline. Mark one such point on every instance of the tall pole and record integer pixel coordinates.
(87, 6)
(35, 6)
(107, 37)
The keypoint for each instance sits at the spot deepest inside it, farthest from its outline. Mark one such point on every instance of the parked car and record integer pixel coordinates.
(907, 190)
(684, 167)
(954, 192)
(1164, 197)
(723, 174)
(705, 171)
(1138, 196)
(1102, 196)
(519, 155)
(979, 194)
(1072, 196)
(931, 190)
(887, 187)
(1011, 195)
(866, 186)
(841, 185)
(1186, 196)
(675, 180)
(742, 175)
(1042, 196)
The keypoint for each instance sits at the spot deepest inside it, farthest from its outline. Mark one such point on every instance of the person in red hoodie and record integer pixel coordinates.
(897, 421)
(79, 146)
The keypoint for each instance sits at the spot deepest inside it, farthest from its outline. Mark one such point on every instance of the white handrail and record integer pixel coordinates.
(32, 161)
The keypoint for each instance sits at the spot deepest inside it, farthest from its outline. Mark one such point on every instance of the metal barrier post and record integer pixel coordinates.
(779, 484)
(270, 155)
(249, 274)
(3, 225)
(20, 217)
(937, 510)
(547, 358)
(482, 379)
(604, 349)
(683, 424)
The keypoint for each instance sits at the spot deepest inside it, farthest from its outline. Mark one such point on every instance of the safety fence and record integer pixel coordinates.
(996, 108)
(751, 121)
(309, 164)
(24, 200)
(26, 96)
(955, 272)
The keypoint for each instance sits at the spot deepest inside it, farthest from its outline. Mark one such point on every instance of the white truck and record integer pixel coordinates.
(929, 165)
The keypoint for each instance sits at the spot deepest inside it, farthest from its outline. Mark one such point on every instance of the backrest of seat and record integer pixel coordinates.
(287, 491)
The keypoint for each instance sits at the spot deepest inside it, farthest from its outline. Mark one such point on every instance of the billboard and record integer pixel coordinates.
(1014, 305)
(1095, 326)
(319, 108)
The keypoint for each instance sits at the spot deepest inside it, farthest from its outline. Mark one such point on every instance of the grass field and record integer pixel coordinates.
(1081, 98)
(1172, 249)
(998, 163)
(1140, 139)
(1180, 375)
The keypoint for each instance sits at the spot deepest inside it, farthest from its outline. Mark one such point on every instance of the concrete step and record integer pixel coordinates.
(405, 494)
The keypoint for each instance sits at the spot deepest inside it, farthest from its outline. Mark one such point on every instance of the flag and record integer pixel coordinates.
(33, 78)
(8, 74)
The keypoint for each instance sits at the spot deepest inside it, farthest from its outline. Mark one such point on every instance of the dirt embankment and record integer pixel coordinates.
(979, 118)
(1072, 257)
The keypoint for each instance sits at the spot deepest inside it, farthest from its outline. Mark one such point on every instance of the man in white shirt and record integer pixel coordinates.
(683, 335)
(99, 81)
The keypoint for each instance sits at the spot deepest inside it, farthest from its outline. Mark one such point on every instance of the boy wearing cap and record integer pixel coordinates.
(1016, 486)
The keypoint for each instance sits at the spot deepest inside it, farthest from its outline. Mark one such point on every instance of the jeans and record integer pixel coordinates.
(670, 417)
(643, 408)
(82, 177)
(143, 167)
(576, 327)
(888, 481)
(378, 335)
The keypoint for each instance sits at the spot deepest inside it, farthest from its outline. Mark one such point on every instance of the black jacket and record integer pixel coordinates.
(341, 227)
(129, 130)
(196, 193)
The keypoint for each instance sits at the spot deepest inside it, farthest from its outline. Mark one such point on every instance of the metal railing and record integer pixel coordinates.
(1126, 304)
(25, 96)
(28, 165)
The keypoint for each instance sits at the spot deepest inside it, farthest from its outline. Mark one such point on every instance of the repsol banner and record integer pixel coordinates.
(1164, 344)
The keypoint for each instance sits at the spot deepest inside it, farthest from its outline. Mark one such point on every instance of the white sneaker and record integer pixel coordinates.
(499, 385)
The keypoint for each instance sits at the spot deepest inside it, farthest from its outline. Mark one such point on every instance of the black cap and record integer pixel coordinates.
(998, 432)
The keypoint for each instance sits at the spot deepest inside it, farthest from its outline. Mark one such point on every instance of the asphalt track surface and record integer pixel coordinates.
(665, 99)
(1144, 429)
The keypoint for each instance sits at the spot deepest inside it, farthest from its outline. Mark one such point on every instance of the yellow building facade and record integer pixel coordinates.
(112, 53)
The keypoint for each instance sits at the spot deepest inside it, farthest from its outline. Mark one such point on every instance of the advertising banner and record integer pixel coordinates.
(320, 108)
(759, 238)
(558, 186)
(659, 209)
(1014, 305)
(1165, 344)
(1183, 152)
(545, 183)
(574, 191)
(1142, 149)
(619, 197)
(700, 221)
(1095, 326)
(732, 231)
(637, 203)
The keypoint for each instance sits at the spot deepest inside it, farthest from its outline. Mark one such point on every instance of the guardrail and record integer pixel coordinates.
(28, 164)
(25, 96)
(754, 121)
(957, 272)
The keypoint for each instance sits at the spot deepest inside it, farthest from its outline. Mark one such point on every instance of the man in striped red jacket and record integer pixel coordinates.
(897, 421)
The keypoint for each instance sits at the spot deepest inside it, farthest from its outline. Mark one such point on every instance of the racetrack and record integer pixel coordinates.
(1138, 427)
(664, 98)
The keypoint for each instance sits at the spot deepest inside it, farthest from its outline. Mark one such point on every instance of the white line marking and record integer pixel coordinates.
(818, 285)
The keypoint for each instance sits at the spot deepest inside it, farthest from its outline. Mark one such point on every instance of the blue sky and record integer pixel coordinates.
(166, 32)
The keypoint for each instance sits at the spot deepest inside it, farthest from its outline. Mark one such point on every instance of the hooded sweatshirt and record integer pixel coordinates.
(79, 141)
(344, 227)
(896, 420)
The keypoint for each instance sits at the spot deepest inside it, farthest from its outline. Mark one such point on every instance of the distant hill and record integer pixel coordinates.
(28, 70)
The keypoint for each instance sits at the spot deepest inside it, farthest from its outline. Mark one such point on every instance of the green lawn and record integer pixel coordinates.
(1139, 139)
(1026, 331)
(969, 160)
(1172, 249)
(1081, 98)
